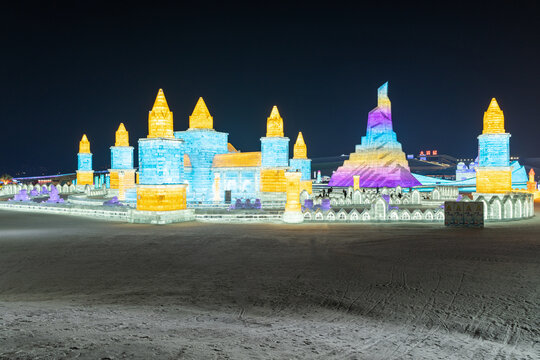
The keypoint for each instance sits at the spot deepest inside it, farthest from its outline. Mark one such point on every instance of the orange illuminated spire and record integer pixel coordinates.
(531, 176)
(493, 119)
(160, 119)
(300, 148)
(84, 145)
(122, 136)
(274, 124)
(201, 118)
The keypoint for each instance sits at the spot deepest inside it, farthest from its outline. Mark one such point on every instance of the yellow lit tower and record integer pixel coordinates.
(494, 173)
(301, 163)
(161, 163)
(122, 162)
(293, 208)
(85, 173)
(274, 156)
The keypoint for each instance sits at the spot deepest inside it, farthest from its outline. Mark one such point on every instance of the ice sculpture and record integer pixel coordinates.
(379, 159)
(122, 161)
(21, 196)
(274, 154)
(161, 163)
(494, 173)
(113, 202)
(201, 144)
(85, 174)
(531, 184)
(54, 197)
(300, 160)
(293, 208)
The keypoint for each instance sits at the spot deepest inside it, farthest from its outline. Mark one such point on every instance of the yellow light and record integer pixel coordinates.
(356, 182)
(160, 119)
(84, 145)
(161, 197)
(128, 181)
(201, 118)
(306, 185)
(239, 159)
(217, 181)
(493, 119)
(491, 181)
(122, 136)
(273, 180)
(531, 184)
(300, 148)
(293, 191)
(274, 124)
(85, 177)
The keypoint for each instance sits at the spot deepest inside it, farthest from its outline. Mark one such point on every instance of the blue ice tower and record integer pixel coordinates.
(274, 146)
(201, 144)
(300, 161)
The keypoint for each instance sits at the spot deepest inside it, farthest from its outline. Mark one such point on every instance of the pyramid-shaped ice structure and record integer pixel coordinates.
(379, 159)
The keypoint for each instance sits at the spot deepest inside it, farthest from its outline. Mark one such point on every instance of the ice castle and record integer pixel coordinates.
(199, 165)
(379, 160)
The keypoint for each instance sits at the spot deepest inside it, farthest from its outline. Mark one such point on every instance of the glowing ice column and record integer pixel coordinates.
(300, 162)
(274, 155)
(85, 174)
(494, 173)
(293, 209)
(122, 159)
(161, 163)
(531, 184)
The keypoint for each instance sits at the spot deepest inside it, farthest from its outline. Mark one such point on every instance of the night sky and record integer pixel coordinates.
(71, 70)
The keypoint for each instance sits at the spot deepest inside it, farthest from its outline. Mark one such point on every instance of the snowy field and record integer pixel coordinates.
(80, 288)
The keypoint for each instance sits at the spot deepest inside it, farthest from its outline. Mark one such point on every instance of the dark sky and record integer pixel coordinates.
(71, 70)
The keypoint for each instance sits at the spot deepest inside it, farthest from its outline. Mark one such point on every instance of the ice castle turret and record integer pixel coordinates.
(300, 160)
(160, 118)
(122, 161)
(494, 173)
(531, 184)
(379, 159)
(301, 163)
(85, 173)
(201, 144)
(161, 163)
(274, 154)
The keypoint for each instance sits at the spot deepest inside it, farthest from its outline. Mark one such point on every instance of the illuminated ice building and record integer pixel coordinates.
(85, 173)
(493, 174)
(492, 171)
(213, 170)
(122, 172)
(379, 160)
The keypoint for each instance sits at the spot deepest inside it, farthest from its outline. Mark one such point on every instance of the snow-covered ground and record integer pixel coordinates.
(79, 288)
